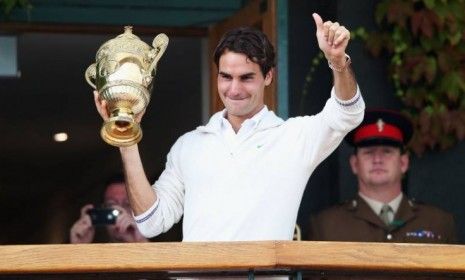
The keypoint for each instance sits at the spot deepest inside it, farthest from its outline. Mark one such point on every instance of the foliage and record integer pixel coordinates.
(7, 6)
(316, 61)
(425, 40)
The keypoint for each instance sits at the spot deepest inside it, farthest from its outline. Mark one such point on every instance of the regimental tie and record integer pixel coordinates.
(386, 213)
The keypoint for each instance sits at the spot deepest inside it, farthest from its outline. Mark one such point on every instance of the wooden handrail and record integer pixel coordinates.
(366, 256)
(132, 257)
(231, 256)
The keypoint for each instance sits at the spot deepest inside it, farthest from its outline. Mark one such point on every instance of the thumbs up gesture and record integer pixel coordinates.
(333, 39)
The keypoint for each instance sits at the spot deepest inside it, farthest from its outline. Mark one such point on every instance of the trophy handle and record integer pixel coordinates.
(159, 43)
(91, 74)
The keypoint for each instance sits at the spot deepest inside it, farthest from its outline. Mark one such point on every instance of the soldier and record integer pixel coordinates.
(381, 212)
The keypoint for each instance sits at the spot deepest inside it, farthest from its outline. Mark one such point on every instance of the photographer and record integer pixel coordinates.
(115, 218)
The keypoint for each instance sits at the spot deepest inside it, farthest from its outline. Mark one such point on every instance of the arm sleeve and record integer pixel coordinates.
(169, 206)
(325, 131)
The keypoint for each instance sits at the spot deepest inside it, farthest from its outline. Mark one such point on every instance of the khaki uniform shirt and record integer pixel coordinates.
(356, 221)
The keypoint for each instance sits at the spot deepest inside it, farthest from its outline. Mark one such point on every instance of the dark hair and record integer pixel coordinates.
(249, 41)
(115, 179)
(401, 148)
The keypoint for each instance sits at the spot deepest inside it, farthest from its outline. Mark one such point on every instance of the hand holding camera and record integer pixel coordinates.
(125, 228)
(83, 231)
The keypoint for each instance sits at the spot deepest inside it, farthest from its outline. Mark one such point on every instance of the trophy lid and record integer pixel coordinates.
(126, 42)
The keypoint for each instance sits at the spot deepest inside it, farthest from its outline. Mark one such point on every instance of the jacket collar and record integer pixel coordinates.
(405, 213)
(214, 124)
(363, 211)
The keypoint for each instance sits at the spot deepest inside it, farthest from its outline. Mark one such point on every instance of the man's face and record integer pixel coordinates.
(241, 85)
(117, 198)
(125, 229)
(115, 195)
(378, 166)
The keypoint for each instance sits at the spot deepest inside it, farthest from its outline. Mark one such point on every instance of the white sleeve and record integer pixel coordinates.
(328, 128)
(346, 114)
(169, 206)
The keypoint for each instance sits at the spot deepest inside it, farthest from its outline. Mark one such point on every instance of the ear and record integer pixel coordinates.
(353, 163)
(269, 77)
(404, 162)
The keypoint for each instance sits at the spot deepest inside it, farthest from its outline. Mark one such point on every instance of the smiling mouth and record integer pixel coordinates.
(237, 98)
(378, 171)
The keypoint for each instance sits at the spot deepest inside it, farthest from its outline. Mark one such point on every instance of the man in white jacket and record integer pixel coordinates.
(242, 176)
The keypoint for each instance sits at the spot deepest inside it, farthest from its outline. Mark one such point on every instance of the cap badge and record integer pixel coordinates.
(380, 125)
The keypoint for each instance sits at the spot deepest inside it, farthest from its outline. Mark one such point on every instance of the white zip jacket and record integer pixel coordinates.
(252, 191)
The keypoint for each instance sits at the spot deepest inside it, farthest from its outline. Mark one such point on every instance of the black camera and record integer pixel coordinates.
(103, 216)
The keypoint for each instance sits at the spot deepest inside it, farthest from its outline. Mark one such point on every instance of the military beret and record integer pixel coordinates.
(381, 127)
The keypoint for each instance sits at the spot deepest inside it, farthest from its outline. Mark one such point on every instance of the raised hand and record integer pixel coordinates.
(101, 106)
(333, 39)
(102, 109)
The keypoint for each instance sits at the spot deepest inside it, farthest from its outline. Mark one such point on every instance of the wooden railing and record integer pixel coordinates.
(164, 260)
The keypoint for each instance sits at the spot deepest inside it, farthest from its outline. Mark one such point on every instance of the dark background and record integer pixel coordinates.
(44, 183)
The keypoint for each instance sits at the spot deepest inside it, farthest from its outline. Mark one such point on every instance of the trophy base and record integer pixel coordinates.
(121, 130)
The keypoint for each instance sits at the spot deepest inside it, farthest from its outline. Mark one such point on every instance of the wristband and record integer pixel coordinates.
(338, 68)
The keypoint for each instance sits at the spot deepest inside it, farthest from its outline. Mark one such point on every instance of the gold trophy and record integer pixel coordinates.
(123, 73)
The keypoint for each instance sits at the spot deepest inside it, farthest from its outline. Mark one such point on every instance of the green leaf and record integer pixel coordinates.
(426, 43)
(359, 32)
(453, 85)
(8, 6)
(456, 8)
(430, 69)
(454, 39)
(442, 9)
(396, 60)
(430, 4)
(381, 11)
(429, 110)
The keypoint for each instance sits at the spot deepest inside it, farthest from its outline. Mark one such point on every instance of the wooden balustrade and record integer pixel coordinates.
(164, 260)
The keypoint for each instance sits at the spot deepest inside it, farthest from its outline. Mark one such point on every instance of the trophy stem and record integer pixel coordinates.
(121, 129)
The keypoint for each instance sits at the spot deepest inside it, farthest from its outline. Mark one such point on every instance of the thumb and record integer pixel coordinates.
(318, 21)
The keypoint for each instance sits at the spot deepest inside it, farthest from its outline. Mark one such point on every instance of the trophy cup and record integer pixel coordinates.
(122, 74)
